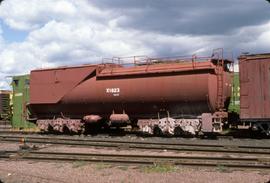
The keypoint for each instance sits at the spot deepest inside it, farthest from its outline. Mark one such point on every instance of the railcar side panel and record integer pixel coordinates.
(255, 87)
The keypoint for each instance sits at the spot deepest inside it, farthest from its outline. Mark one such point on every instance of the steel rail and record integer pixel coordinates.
(131, 142)
(150, 146)
(142, 156)
(8, 131)
(139, 159)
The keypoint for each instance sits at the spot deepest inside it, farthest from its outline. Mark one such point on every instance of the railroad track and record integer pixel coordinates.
(143, 145)
(204, 161)
(120, 133)
(11, 131)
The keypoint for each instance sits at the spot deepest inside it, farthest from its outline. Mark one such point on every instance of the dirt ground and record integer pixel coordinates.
(28, 172)
(50, 172)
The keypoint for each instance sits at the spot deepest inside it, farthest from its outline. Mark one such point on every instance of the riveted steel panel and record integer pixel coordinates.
(140, 91)
(50, 85)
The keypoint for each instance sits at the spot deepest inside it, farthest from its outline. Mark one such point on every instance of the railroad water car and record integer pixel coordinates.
(167, 96)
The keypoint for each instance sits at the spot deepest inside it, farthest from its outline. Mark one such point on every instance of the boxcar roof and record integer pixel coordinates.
(255, 56)
(64, 67)
(5, 92)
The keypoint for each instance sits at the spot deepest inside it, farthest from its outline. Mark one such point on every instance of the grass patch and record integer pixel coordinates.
(101, 166)
(78, 164)
(59, 165)
(160, 168)
(124, 168)
(224, 169)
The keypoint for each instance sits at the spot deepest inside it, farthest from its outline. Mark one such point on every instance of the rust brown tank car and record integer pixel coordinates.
(255, 91)
(159, 95)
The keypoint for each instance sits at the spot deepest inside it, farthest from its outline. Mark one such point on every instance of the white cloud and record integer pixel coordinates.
(253, 39)
(33, 14)
(75, 32)
(1, 38)
(5, 81)
(3, 84)
(82, 42)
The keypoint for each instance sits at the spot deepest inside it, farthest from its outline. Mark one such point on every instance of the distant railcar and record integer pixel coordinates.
(20, 99)
(255, 91)
(5, 108)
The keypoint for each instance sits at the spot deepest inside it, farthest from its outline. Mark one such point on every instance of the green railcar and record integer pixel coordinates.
(20, 85)
(235, 99)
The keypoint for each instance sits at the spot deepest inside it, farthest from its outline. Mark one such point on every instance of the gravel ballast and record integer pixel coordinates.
(28, 171)
(14, 171)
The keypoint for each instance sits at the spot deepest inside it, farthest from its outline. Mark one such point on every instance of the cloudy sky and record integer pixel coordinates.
(48, 33)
